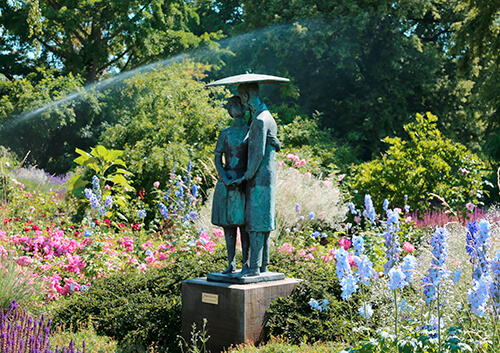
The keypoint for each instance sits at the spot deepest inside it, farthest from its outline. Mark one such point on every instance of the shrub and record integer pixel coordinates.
(139, 310)
(166, 117)
(424, 165)
(295, 319)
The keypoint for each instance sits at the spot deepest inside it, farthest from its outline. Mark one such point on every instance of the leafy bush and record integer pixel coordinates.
(139, 310)
(166, 117)
(295, 319)
(426, 164)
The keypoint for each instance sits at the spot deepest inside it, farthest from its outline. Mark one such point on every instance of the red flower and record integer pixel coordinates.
(7, 220)
(96, 222)
(108, 222)
(35, 227)
(136, 227)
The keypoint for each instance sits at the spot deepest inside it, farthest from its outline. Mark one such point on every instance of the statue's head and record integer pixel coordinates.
(235, 108)
(249, 93)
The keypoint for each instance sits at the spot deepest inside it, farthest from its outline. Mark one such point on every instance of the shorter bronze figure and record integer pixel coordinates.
(228, 208)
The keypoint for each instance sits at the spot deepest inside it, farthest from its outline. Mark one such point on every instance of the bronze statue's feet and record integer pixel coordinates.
(263, 269)
(229, 269)
(247, 272)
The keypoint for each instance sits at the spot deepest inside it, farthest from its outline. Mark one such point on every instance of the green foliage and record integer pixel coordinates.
(415, 342)
(295, 320)
(425, 165)
(368, 66)
(30, 122)
(110, 170)
(16, 284)
(167, 118)
(92, 38)
(138, 309)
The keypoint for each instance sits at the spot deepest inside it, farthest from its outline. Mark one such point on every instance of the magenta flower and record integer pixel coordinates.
(345, 243)
(408, 247)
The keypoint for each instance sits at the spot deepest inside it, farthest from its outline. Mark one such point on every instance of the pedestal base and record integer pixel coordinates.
(234, 312)
(235, 279)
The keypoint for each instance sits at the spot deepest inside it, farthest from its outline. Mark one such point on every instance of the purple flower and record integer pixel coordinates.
(369, 212)
(437, 272)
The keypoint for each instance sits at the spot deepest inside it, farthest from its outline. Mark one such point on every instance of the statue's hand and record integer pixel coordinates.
(236, 182)
(273, 141)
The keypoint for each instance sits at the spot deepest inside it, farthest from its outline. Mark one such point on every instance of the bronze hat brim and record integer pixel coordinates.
(248, 78)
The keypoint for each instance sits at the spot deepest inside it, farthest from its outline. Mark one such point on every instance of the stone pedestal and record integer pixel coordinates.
(234, 312)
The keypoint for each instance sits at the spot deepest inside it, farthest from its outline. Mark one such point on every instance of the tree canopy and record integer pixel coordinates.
(91, 38)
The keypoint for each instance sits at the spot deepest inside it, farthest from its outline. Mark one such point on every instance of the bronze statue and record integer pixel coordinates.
(228, 208)
(260, 177)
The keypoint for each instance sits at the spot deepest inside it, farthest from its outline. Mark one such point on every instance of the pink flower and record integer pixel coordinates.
(107, 187)
(470, 206)
(156, 184)
(357, 219)
(286, 247)
(128, 243)
(218, 233)
(302, 162)
(345, 243)
(308, 175)
(408, 219)
(281, 163)
(24, 261)
(350, 258)
(408, 247)
(290, 156)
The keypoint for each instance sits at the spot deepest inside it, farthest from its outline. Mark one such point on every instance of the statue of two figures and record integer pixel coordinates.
(245, 194)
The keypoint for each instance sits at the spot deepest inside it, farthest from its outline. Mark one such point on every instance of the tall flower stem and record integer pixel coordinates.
(396, 320)
(439, 320)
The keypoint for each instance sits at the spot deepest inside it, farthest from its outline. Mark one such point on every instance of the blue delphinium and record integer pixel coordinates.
(164, 210)
(365, 272)
(472, 228)
(359, 244)
(393, 248)
(322, 305)
(352, 208)
(342, 267)
(142, 214)
(481, 246)
(396, 279)
(408, 267)
(311, 216)
(478, 295)
(385, 205)
(437, 272)
(349, 286)
(369, 211)
(495, 284)
(344, 273)
(194, 190)
(366, 311)
(297, 208)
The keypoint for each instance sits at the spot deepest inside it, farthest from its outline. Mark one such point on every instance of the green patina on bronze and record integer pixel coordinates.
(252, 186)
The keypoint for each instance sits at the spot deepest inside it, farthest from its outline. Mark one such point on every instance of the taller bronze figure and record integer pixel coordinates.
(260, 209)
(260, 175)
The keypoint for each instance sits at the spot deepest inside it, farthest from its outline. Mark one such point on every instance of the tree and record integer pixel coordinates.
(368, 66)
(51, 134)
(477, 45)
(91, 38)
(167, 118)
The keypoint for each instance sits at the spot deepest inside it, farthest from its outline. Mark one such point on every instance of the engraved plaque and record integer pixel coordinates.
(210, 298)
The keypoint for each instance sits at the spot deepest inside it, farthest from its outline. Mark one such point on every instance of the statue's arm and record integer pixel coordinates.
(273, 141)
(256, 148)
(219, 151)
(220, 168)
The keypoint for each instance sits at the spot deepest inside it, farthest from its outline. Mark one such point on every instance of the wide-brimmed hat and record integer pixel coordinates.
(248, 78)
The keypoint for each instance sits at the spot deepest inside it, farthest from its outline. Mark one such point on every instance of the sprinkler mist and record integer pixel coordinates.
(204, 54)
